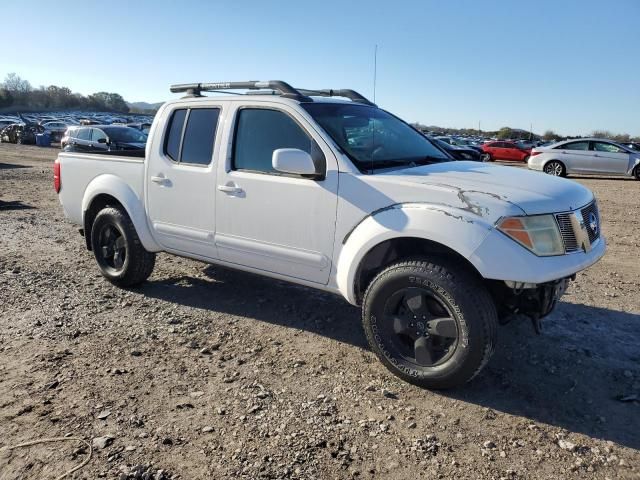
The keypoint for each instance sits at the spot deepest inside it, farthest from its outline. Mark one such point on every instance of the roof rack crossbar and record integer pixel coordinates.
(344, 92)
(278, 86)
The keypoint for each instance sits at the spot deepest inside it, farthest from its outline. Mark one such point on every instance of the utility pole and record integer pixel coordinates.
(479, 131)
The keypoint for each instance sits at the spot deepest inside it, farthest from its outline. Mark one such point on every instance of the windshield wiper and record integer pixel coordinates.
(427, 160)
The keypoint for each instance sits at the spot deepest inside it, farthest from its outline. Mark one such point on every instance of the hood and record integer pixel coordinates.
(480, 184)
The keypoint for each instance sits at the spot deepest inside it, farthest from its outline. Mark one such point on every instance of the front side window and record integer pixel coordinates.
(191, 135)
(259, 132)
(607, 147)
(574, 146)
(97, 134)
(373, 138)
(84, 134)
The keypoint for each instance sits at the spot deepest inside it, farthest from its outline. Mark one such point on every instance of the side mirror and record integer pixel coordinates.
(293, 160)
(102, 140)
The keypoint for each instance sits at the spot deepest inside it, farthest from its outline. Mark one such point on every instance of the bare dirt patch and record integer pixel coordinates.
(209, 373)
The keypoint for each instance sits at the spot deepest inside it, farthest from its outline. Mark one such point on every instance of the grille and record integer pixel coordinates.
(591, 220)
(566, 230)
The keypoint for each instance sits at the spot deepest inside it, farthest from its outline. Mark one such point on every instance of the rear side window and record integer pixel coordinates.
(574, 146)
(199, 135)
(174, 134)
(259, 132)
(191, 135)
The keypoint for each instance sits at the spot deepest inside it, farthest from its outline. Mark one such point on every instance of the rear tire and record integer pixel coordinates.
(555, 168)
(526, 158)
(431, 322)
(120, 255)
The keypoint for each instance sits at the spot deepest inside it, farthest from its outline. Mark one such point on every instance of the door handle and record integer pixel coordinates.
(159, 179)
(233, 189)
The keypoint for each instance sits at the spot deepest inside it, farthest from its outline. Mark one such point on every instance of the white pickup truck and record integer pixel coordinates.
(342, 196)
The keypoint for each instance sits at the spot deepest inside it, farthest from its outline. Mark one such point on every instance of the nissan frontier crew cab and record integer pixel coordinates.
(323, 188)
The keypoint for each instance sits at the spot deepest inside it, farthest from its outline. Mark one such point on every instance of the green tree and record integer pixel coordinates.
(550, 135)
(504, 133)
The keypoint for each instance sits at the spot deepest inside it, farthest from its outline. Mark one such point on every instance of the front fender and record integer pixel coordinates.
(114, 186)
(457, 229)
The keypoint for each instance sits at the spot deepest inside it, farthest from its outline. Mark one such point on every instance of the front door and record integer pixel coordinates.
(609, 158)
(180, 182)
(279, 223)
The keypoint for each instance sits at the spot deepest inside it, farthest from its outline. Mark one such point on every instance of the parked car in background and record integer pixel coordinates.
(459, 153)
(103, 138)
(20, 133)
(586, 155)
(143, 126)
(503, 150)
(633, 145)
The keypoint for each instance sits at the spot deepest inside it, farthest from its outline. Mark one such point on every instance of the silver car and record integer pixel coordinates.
(586, 156)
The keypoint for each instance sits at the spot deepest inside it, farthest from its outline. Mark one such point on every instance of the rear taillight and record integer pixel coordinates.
(57, 179)
(533, 154)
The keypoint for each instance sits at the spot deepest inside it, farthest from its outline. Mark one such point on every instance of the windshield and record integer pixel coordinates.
(125, 135)
(373, 138)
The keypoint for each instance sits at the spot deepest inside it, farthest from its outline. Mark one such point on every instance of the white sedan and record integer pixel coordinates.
(586, 155)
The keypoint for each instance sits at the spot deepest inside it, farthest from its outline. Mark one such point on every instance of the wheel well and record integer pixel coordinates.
(98, 203)
(390, 251)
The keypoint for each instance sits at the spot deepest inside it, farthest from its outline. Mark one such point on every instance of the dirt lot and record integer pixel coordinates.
(210, 373)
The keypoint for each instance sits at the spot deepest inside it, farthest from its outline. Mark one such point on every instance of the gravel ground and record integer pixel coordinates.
(209, 373)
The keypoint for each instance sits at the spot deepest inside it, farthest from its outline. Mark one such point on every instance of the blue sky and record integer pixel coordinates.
(571, 66)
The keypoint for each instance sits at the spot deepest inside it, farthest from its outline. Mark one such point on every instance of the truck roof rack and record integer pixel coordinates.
(274, 87)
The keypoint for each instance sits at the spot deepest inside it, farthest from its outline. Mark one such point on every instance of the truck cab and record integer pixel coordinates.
(325, 189)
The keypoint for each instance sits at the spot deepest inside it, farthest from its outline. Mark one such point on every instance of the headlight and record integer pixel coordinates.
(538, 233)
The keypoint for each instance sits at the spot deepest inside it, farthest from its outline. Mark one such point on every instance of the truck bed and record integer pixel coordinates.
(79, 170)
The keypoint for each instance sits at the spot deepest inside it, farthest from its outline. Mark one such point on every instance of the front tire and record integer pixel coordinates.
(636, 172)
(486, 157)
(430, 322)
(120, 255)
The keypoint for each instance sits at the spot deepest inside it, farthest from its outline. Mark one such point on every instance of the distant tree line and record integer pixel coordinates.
(18, 94)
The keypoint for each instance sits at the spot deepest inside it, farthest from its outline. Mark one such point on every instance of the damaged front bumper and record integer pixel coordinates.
(535, 301)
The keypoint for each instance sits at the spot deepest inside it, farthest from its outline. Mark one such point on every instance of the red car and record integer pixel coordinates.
(505, 151)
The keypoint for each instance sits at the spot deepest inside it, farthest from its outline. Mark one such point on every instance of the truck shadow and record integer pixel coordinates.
(10, 166)
(572, 376)
(15, 205)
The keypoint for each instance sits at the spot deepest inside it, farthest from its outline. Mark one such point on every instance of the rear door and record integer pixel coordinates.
(180, 180)
(609, 158)
(575, 156)
(279, 223)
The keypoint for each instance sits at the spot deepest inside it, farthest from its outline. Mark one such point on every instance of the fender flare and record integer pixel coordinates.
(636, 164)
(109, 184)
(457, 229)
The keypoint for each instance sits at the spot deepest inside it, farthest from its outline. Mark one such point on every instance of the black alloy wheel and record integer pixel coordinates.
(419, 327)
(112, 251)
